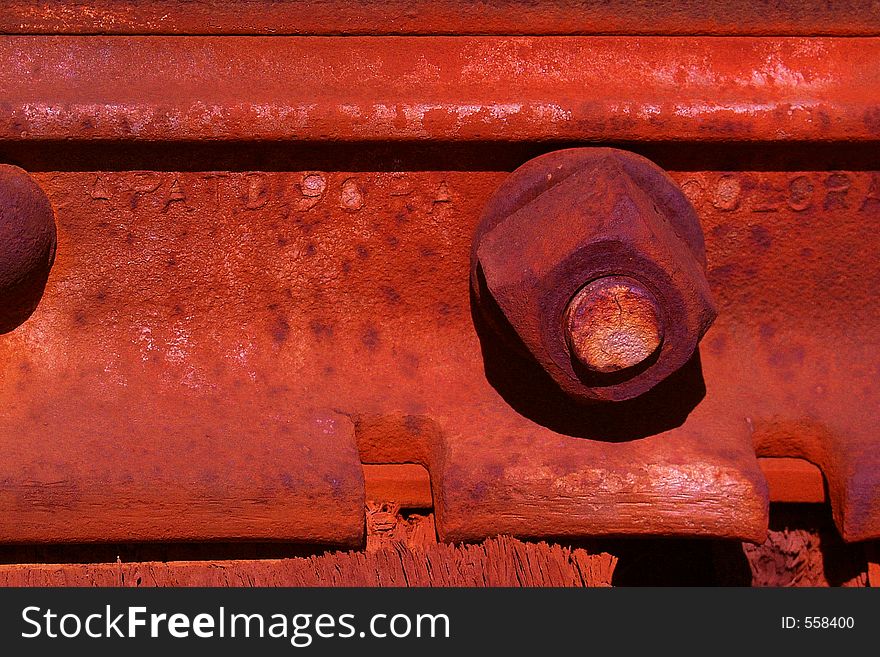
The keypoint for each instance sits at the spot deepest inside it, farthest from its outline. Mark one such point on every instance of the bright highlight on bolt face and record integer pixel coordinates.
(613, 324)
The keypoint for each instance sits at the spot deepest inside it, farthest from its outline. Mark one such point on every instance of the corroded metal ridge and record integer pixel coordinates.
(445, 89)
(304, 17)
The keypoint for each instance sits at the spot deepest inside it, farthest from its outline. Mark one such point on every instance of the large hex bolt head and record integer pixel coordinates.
(592, 260)
(27, 245)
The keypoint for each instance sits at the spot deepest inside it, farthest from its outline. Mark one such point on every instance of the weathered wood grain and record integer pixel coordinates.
(501, 561)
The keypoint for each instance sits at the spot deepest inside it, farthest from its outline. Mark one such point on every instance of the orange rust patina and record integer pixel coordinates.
(267, 273)
(334, 17)
(613, 324)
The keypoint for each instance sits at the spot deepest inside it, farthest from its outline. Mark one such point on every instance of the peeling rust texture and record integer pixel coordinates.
(325, 17)
(230, 329)
(581, 217)
(449, 89)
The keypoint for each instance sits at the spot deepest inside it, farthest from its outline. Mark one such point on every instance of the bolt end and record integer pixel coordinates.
(613, 324)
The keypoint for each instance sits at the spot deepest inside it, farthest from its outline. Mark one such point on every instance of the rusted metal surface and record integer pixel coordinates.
(788, 480)
(131, 449)
(757, 17)
(360, 306)
(230, 330)
(793, 480)
(583, 217)
(449, 89)
(799, 336)
(406, 484)
(55, 386)
(27, 245)
(145, 464)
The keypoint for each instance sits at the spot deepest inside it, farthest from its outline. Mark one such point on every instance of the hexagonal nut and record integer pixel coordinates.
(593, 261)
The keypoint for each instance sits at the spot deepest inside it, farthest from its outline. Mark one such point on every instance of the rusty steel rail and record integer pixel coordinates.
(334, 17)
(458, 89)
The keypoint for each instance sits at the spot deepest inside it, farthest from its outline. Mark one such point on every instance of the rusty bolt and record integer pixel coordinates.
(613, 324)
(592, 262)
(27, 245)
